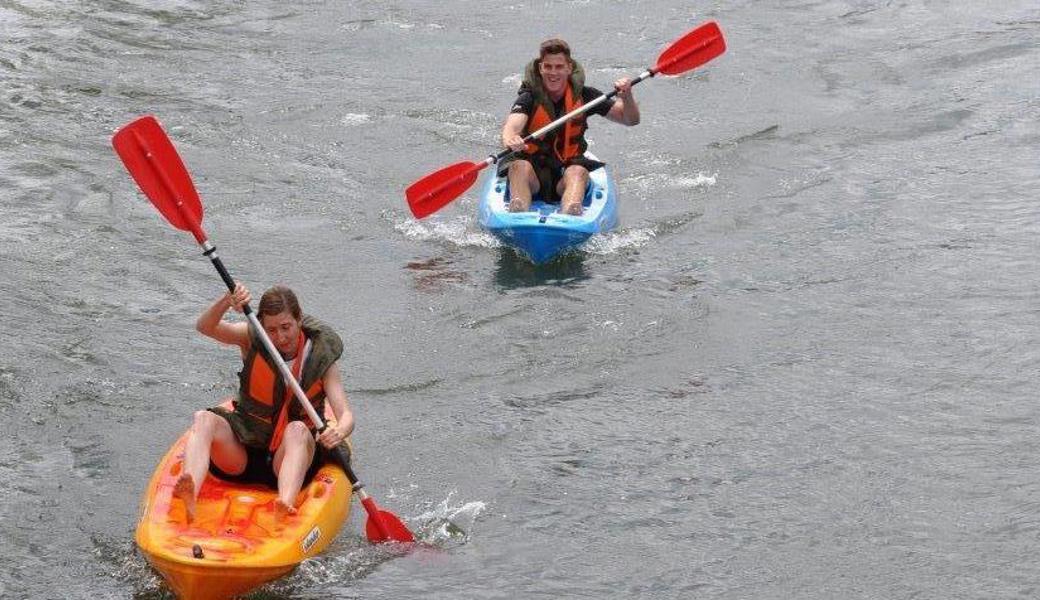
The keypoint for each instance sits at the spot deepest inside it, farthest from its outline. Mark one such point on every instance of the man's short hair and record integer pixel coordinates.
(554, 46)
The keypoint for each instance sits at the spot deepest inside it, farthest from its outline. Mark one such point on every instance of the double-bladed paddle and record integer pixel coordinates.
(431, 193)
(153, 162)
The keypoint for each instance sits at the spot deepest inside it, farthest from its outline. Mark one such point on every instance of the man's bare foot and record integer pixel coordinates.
(518, 205)
(571, 209)
(282, 510)
(185, 490)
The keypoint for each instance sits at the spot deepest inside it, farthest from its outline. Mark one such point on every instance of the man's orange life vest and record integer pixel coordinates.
(566, 142)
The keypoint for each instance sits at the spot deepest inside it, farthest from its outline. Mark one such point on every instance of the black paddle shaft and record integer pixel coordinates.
(340, 453)
(210, 252)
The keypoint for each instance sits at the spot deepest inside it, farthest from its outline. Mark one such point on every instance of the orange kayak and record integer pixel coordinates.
(234, 545)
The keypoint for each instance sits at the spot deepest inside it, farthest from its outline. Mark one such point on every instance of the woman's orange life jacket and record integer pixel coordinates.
(264, 395)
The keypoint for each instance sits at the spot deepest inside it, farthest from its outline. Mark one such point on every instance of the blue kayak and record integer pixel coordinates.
(542, 233)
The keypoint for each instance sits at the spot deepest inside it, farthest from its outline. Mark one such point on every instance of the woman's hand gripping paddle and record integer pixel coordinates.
(158, 170)
(431, 193)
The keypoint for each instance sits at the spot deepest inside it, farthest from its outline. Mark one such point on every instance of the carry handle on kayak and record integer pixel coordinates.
(434, 191)
(155, 165)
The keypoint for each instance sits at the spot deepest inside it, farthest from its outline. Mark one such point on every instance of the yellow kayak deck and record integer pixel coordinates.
(234, 543)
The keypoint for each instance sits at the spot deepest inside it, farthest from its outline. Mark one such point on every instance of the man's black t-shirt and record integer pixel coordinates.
(524, 103)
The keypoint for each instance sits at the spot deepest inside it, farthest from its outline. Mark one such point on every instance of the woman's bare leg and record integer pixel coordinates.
(211, 438)
(291, 461)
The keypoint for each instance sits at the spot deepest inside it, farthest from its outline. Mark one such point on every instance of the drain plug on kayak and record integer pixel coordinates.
(196, 551)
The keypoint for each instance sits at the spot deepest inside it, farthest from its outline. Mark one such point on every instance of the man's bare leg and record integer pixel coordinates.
(523, 184)
(572, 189)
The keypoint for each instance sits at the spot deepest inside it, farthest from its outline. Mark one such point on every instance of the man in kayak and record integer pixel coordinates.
(554, 85)
(267, 438)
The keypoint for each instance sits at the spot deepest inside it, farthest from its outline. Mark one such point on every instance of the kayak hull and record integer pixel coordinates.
(234, 544)
(201, 583)
(543, 233)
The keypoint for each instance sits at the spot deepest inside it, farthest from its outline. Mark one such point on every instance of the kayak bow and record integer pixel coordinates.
(234, 544)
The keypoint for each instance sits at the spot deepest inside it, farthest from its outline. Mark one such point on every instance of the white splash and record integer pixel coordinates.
(672, 180)
(613, 70)
(441, 527)
(619, 241)
(700, 180)
(351, 119)
(459, 231)
(447, 524)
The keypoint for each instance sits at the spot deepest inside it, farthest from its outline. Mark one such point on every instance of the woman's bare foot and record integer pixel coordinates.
(282, 510)
(185, 490)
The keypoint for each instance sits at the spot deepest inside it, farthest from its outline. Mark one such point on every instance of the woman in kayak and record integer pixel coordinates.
(554, 85)
(267, 437)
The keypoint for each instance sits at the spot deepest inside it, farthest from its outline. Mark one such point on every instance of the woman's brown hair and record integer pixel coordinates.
(277, 300)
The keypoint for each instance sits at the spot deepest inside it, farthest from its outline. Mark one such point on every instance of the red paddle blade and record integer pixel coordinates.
(691, 50)
(153, 162)
(383, 525)
(395, 529)
(431, 193)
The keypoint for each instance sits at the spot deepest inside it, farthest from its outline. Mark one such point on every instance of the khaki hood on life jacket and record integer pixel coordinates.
(533, 82)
